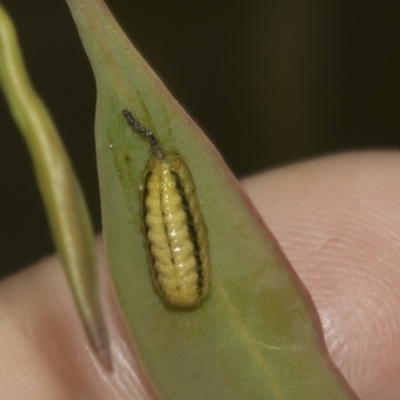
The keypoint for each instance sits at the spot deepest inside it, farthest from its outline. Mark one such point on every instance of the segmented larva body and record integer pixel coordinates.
(174, 228)
(175, 232)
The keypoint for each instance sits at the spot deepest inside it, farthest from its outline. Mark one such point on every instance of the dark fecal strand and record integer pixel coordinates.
(137, 126)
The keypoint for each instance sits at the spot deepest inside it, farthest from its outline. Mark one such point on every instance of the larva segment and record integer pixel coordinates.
(174, 227)
(175, 232)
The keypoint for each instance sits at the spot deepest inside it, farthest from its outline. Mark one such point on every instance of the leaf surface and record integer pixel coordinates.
(257, 335)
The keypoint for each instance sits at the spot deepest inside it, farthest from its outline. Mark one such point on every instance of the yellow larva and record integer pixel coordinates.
(174, 228)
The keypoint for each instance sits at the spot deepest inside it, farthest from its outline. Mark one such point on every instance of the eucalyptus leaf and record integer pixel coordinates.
(257, 335)
(61, 193)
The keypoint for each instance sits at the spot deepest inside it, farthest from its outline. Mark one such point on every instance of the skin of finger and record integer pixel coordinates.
(43, 350)
(338, 221)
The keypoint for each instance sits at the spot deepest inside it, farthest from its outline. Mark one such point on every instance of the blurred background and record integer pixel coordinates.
(270, 81)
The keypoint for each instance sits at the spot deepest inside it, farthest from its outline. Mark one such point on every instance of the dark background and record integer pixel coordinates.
(270, 81)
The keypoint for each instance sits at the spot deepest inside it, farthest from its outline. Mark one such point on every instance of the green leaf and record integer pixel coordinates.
(257, 336)
(62, 196)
